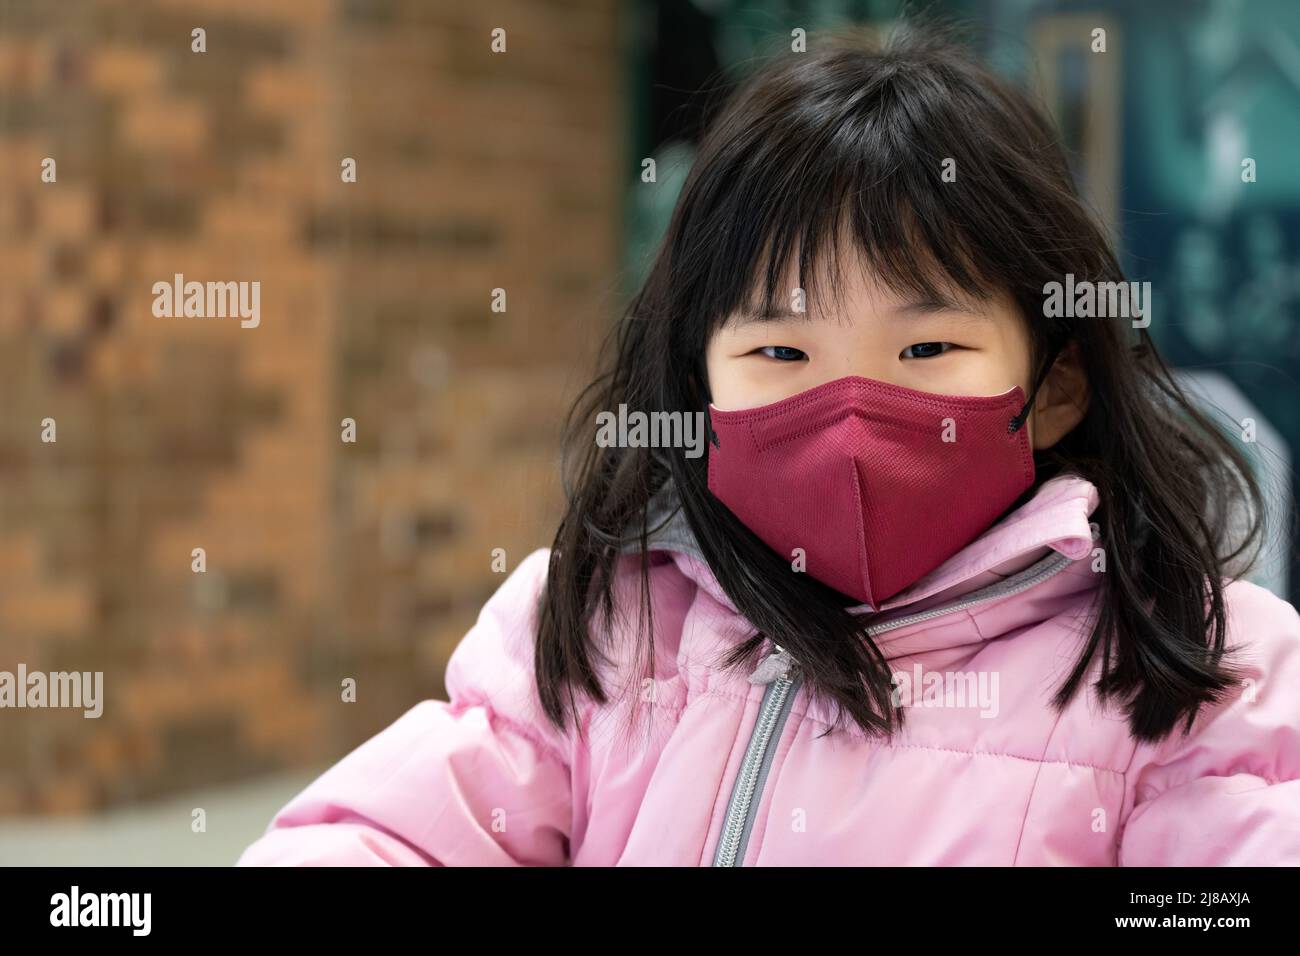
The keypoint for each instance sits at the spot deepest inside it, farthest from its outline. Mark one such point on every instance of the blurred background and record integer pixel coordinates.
(475, 171)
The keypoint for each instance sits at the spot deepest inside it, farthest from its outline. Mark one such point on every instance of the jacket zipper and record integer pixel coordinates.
(779, 671)
(772, 714)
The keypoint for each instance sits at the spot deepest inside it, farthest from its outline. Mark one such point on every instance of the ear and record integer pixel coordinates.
(1062, 399)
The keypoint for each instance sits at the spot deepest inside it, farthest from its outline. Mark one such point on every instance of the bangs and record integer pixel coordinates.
(914, 169)
(887, 244)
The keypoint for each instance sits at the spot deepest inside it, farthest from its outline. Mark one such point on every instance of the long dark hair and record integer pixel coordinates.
(859, 128)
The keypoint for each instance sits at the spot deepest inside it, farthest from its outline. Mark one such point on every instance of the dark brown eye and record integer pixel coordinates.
(783, 353)
(926, 349)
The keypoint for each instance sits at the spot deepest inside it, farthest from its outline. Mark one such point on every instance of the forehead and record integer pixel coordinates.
(856, 293)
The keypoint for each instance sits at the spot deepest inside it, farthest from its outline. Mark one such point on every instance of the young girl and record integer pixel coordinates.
(956, 580)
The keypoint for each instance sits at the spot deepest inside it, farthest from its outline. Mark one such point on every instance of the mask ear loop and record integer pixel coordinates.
(1020, 418)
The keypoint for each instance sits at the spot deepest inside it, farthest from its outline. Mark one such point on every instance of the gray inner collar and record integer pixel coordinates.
(667, 525)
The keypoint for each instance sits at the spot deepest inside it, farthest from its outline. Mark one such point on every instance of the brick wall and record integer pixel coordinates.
(325, 559)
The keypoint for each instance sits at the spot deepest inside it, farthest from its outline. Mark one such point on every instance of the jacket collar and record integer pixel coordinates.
(1055, 517)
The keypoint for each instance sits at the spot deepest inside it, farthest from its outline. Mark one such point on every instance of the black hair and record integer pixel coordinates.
(859, 129)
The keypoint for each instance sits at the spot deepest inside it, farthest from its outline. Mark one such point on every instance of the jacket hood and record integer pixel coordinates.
(1054, 519)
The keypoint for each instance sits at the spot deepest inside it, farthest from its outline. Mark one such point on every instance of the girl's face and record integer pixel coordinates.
(962, 346)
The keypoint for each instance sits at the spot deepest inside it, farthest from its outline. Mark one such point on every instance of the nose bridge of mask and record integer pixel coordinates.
(854, 396)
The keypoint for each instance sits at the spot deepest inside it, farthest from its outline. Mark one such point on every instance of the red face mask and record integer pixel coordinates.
(877, 483)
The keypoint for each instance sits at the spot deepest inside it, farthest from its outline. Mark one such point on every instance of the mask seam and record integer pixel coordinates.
(816, 426)
(968, 402)
(863, 563)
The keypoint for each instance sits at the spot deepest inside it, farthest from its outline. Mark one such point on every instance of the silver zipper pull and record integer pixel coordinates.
(775, 666)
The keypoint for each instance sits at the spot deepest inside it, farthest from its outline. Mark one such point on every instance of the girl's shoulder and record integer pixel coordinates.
(1263, 625)
(496, 657)
(1253, 729)
(1228, 791)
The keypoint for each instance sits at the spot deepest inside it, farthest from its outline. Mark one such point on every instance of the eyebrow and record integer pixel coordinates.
(910, 309)
(746, 316)
(929, 306)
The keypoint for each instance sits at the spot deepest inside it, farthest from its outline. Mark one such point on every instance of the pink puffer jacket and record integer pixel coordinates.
(722, 771)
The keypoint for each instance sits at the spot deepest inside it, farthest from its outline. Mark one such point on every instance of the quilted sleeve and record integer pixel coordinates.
(1228, 794)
